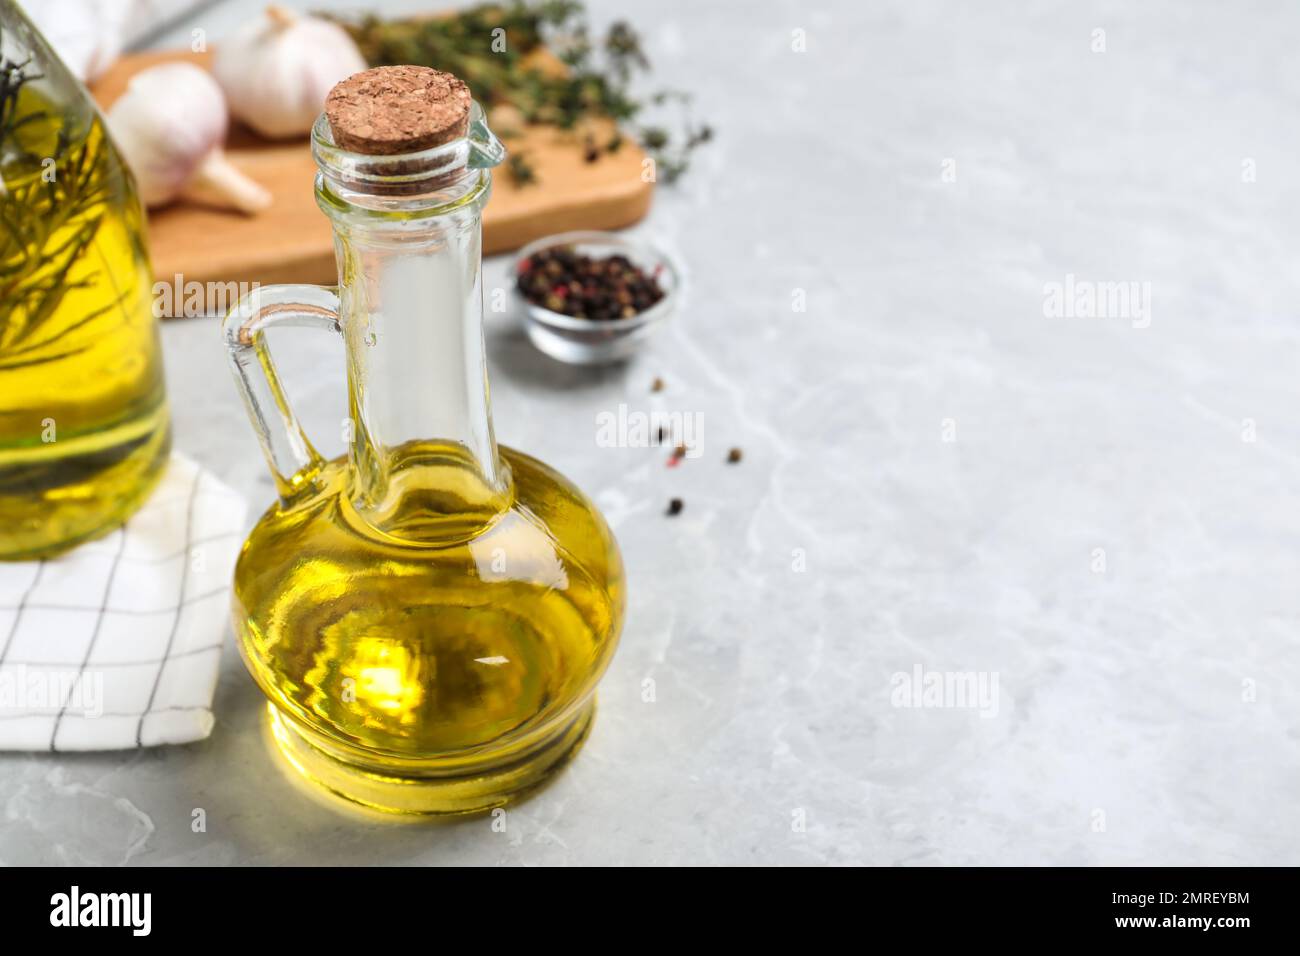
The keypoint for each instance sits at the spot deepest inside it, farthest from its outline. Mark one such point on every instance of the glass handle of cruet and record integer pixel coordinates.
(294, 462)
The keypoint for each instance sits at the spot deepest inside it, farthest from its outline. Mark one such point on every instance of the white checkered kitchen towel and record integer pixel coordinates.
(116, 643)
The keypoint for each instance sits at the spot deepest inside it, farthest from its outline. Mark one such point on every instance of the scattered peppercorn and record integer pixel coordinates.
(734, 456)
(657, 385)
(661, 436)
(675, 507)
(604, 289)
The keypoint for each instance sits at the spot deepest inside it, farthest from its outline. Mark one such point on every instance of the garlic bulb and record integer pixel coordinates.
(170, 125)
(277, 70)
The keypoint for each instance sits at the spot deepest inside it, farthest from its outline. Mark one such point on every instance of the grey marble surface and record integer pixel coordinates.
(1099, 513)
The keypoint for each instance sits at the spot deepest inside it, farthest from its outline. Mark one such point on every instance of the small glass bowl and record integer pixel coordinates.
(597, 341)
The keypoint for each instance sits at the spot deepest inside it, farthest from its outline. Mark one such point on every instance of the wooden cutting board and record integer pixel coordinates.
(292, 242)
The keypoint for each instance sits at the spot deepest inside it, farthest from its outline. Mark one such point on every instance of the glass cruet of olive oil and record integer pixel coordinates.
(428, 614)
(84, 431)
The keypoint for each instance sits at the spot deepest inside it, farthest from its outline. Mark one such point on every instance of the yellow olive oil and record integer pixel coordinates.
(84, 429)
(456, 656)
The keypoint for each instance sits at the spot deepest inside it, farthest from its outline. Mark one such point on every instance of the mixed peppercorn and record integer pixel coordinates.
(602, 289)
(662, 436)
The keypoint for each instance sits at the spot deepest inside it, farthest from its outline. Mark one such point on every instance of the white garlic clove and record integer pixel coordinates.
(217, 181)
(277, 70)
(169, 126)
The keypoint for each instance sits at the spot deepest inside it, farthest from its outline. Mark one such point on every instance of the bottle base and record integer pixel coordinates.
(476, 790)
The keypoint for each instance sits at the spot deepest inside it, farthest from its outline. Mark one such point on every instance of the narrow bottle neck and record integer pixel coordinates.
(423, 456)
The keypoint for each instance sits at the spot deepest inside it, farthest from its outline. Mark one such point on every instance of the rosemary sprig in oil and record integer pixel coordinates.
(50, 213)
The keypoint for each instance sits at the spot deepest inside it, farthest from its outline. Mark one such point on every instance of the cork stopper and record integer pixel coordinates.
(397, 109)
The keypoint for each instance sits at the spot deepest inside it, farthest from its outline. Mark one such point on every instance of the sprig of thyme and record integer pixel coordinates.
(490, 47)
